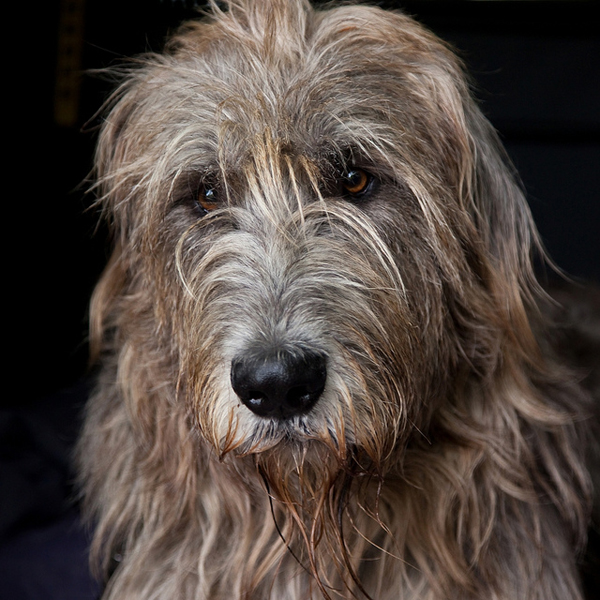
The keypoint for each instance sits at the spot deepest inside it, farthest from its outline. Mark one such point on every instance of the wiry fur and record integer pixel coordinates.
(444, 459)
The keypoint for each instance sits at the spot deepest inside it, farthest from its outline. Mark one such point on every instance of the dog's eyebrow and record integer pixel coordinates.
(340, 157)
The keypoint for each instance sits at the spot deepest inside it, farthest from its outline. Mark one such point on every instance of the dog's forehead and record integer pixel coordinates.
(341, 82)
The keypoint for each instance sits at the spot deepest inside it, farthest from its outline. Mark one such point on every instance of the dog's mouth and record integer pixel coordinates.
(292, 436)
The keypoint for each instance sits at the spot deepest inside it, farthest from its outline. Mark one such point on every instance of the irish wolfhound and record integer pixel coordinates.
(319, 373)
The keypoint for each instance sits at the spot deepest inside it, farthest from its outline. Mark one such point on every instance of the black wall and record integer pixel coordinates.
(537, 71)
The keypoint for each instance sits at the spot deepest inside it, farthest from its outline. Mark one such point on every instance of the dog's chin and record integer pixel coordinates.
(301, 468)
(301, 472)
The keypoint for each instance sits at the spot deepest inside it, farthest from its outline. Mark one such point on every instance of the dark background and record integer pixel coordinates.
(536, 67)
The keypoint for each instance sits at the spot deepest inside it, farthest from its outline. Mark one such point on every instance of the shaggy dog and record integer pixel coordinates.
(319, 372)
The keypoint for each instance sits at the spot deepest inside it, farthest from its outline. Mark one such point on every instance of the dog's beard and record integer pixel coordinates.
(312, 490)
(319, 478)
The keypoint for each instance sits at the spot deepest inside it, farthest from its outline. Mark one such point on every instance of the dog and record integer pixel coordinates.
(323, 369)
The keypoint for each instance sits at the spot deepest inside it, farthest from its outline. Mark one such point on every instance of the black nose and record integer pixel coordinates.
(279, 384)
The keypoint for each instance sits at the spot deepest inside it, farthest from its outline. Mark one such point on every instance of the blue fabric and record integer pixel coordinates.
(48, 563)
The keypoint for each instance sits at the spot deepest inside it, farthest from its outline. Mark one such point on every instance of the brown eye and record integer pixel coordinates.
(356, 182)
(207, 198)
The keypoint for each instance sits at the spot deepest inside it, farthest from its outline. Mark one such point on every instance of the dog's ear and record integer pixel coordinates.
(102, 323)
(113, 186)
(114, 181)
(506, 236)
(498, 204)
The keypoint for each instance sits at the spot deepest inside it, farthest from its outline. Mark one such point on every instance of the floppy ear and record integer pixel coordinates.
(126, 153)
(500, 211)
(103, 303)
(113, 153)
(113, 186)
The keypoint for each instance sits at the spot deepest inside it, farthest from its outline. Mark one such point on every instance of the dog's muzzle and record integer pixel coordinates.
(279, 384)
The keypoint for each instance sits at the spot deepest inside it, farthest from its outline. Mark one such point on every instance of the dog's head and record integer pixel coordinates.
(322, 268)
(313, 222)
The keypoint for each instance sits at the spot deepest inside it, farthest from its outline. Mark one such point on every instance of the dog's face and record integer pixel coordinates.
(304, 240)
(318, 371)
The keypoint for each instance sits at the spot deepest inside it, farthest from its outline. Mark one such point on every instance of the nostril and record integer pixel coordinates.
(279, 384)
(299, 395)
(254, 398)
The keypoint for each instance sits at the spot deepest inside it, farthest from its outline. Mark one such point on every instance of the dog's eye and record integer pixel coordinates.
(207, 199)
(357, 182)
